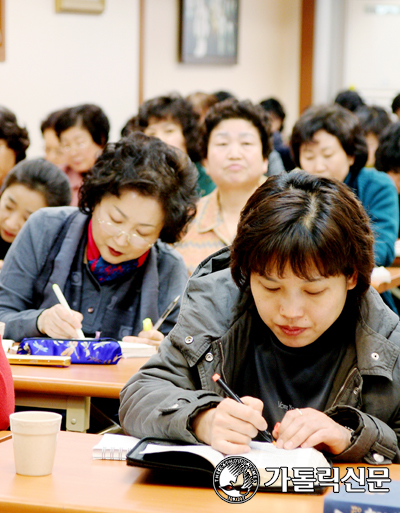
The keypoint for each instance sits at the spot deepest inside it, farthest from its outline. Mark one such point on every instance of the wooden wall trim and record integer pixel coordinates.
(307, 54)
(2, 30)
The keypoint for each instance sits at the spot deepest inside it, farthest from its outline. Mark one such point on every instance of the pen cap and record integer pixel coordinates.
(147, 324)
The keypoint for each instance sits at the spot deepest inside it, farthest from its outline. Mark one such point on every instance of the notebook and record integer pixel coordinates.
(133, 350)
(114, 447)
(172, 455)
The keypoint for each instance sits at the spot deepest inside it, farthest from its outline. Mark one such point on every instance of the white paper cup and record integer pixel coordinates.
(34, 438)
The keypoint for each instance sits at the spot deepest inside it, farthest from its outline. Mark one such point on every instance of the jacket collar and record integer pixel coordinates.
(377, 332)
(210, 286)
(377, 337)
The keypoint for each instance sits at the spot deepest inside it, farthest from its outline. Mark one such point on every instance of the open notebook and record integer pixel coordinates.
(133, 350)
(170, 455)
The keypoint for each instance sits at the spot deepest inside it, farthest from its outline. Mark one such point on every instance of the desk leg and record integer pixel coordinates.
(77, 408)
(78, 413)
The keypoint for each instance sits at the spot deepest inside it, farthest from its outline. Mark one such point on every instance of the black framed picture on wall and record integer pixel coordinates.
(208, 31)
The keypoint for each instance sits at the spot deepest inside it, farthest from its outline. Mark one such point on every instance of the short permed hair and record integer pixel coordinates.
(238, 109)
(373, 119)
(308, 223)
(337, 121)
(87, 116)
(175, 108)
(16, 137)
(41, 176)
(387, 156)
(151, 168)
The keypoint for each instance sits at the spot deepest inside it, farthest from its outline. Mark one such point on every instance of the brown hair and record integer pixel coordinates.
(235, 109)
(151, 168)
(337, 121)
(171, 107)
(306, 222)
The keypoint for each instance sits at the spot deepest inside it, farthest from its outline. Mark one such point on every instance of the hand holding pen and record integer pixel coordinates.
(231, 425)
(265, 435)
(60, 321)
(150, 333)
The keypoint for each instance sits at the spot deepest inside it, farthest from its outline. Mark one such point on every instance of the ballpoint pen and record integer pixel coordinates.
(265, 435)
(161, 319)
(64, 303)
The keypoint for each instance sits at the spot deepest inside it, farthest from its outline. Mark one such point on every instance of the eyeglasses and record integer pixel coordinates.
(74, 145)
(132, 238)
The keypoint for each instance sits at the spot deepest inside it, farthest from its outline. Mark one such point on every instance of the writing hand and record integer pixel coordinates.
(230, 427)
(311, 428)
(151, 337)
(58, 322)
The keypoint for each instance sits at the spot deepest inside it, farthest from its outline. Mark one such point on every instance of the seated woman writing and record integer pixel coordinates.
(110, 256)
(288, 318)
(30, 185)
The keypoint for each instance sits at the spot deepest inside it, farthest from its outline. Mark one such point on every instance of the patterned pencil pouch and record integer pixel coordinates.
(97, 351)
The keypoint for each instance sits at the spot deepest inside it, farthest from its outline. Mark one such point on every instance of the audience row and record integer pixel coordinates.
(169, 196)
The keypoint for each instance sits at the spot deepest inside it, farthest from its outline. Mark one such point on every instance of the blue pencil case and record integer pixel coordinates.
(96, 351)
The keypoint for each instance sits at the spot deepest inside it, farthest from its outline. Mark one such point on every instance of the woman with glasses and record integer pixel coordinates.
(110, 256)
(83, 133)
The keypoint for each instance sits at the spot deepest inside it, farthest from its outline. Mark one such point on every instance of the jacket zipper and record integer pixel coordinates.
(349, 377)
(222, 360)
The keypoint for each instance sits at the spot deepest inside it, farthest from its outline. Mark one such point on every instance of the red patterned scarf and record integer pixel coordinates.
(104, 271)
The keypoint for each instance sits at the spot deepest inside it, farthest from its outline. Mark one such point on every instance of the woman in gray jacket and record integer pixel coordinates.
(110, 257)
(288, 318)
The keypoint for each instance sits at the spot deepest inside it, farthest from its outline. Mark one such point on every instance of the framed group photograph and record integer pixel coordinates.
(208, 31)
(83, 6)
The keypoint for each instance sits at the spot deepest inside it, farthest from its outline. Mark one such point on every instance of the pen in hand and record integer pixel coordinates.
(64, 303)
(265, 435)
(147, 322)
(165, 314)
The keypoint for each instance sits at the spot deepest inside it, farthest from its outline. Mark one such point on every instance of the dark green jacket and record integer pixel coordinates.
(212, 335)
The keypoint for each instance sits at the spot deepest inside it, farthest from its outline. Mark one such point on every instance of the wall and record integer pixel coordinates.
(372, 62)
(329, 36)
(60, 59)
(268, 55)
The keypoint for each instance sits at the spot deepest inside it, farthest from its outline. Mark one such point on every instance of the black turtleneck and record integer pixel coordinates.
(287, 377)
(4, 247)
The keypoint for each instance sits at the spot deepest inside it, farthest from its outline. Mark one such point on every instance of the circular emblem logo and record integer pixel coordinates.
(236, 479)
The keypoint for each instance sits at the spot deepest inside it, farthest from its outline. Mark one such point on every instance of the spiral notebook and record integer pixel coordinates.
(114, 447)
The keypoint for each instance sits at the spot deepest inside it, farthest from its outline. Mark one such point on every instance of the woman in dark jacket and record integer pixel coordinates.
(287, 317)
(110, 256)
